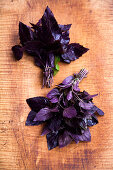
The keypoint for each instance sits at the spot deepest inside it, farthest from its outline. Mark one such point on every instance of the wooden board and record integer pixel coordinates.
(21, 147)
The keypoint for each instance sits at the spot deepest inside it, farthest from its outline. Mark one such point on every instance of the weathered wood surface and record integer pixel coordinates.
(22, 148)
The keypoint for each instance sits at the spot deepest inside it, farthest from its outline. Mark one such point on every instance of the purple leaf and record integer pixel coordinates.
(91, 121)
(89, 112)
(45, 131)
(85, 93)
(89, 97)
(68, 55)
(43, 114)
(33, 47)
(55, 109)
(55, 124)
(48, 30)
(75, 86)
(69, 95)
(17, 51)
(99, 111)
(63, 86)
(65, 38)
(86, 136)
(86, 106)
(86, 96)
(79, 49)
(55, 48)
(67, 61)
(68, 80)
(74, 137)
(73, 51)
(37, 103)
(52, 21)
(70, 112)
(65, 27)
(64, 139)
(30, 118)
(65, 102)
(73, 125)
(52, 140)
(25, 33)
(54, 100)
(53, 93)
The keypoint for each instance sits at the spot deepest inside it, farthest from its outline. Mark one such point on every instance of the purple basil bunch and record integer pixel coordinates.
(67, 112)
(48, 42)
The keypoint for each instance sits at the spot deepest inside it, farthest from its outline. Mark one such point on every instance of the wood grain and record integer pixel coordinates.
(21, 147)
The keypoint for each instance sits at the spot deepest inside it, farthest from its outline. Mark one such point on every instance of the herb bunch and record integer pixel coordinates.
(48, 42)
(66, 111)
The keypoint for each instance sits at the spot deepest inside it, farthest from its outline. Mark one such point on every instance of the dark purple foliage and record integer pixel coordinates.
(64, 139)
(76, 87)
(65, 86)
(52, 140)
(54, 100)
(53, 93)
(25, 33)
(37, 103)
(89, 112)
(45, 131)
(92, 120)
(89, 97)
(43, 114)
(99, 111)
(17, 51)
(66, 111)
(45, 41)
(65, 27)
(70, 112)
(86, 106)
(69, 95)
(55, 124)
(72, 52)
(68, 80)
(86, 136)
(30, 119)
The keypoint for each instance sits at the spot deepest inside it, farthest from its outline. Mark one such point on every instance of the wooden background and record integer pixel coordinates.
(21, 147)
